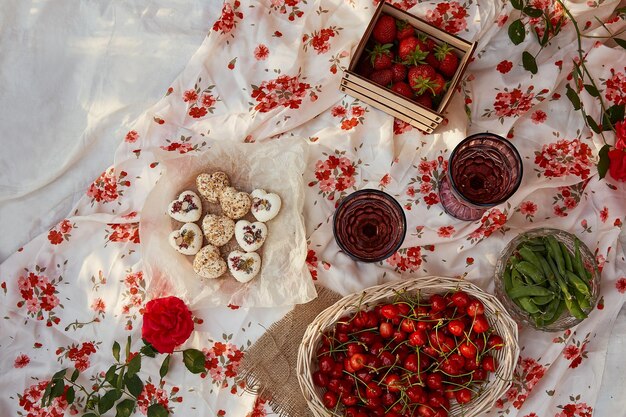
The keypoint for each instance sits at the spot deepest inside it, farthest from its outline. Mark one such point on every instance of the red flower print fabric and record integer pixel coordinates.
(269, 70)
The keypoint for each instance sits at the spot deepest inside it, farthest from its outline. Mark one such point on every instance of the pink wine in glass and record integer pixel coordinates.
(369, 225)
(484, 170)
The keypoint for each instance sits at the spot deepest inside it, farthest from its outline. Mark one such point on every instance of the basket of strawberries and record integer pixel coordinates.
(428, 347)
(407, 67)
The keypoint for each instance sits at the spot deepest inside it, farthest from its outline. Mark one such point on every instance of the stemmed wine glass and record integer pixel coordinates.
(484, 170)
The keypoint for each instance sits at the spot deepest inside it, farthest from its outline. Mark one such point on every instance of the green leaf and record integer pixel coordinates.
(125, 408)
(592, 90)
(517, 4)
(573, 97)
(70, 395)
(620, 42)
(593, 125)
(59, 375)
(157, 410)
(517, 32)
(165, 366)
(107, 400)
(75, 375)
(134, 385)
(529, 62)
(127, 349)
(134, 366)
(194, 360)
(45, 397)
(110, 375)
(116, 351)
(90, 415)
(148, 350)
(57, 389)
(603, 164)
(613, 114)
(532, 12)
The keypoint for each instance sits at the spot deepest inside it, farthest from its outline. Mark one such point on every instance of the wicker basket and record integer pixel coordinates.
(495, 313)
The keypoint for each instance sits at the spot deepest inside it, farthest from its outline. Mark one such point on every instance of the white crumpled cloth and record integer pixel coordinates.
(79, 286)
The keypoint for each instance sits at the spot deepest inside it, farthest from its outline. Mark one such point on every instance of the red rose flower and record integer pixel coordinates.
(167, 323)
(617, 166)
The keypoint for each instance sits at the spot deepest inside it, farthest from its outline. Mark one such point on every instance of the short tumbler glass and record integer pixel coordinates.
(484, 170)
(369, 225)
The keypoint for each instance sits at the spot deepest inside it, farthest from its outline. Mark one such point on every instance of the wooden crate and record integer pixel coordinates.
(389, 101)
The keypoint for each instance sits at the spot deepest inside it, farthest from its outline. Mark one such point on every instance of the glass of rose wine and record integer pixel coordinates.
(484, 170)
(369, 225)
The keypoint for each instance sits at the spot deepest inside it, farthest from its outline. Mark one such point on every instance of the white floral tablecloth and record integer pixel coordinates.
(270, 69)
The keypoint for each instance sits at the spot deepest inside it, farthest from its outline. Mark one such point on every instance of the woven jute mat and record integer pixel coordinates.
(269, 365)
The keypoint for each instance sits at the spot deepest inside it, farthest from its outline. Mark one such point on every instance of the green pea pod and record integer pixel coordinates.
(549, 274)
(583, 300)
(530, 271)
(560, 307)
(578, 283)
(543, 300)
(570, 301)
(516, 278)
(508, 281)
(567, 257)
(540, 247)
(530, 256)
(578, 260)
(554, 250)
(550, 309)
(528, 305)
(529, 291)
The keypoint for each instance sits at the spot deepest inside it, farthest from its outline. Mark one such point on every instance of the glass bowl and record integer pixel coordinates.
(369, 225)
(566, 319)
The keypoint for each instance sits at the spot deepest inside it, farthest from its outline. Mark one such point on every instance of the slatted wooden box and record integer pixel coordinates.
(387, 100)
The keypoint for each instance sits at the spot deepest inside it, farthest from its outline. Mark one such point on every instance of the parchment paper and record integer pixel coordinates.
(284, 279)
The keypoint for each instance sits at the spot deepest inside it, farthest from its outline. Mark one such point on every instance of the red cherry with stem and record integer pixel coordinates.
(337, 371)
(342, 337)
(407, 325)
(416, 394)
(357, 361)
(389, 311)
(329, 399)
(461, 300)
(360, 319)
(467, 349)
(354, 348)
(438, 303)
(320, 379)
(438, 400)
(434, 381)
(458, 359)
(349, 400)
(399, 336)
(463, 396)
(456, 327)
(472, 364)
(479, 375)
(488, 363)
(481, 325)
(333, 385)
(386, 330)
(475, 308)
(387, 359)
(326, 364)
(404, 309)
(412, 363)
(344, 325)
(418, 338)
(495, 342)
(388, 399)
(373, 390)
(425, 411)
(393, 383)
(348, 366)
(364, 375)
(376, 348)
(441, 412)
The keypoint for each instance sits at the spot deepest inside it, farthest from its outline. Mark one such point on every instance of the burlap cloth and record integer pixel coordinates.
(269, 365)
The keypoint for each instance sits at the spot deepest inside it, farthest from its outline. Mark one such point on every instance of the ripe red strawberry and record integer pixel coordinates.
(420, 76)
(382, 77)
(425, 100)
(403, 89)
(427, 42)
(432, 60)
(439, 84)
(385, 29)
(381, 56)
(410, 51)
(448, 61)
(399, 72)
(404, 29)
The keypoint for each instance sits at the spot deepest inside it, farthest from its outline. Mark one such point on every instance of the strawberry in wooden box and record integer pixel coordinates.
(406, 67)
